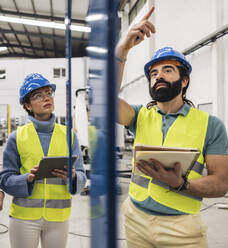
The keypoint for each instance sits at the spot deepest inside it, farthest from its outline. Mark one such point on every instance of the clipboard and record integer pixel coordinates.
(167, 156)
(48, 164)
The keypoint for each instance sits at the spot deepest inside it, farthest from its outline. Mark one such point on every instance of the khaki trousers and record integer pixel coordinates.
(149, 231)
(27, 233)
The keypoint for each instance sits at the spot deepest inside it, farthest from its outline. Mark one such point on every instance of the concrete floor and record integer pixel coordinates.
(79, 233)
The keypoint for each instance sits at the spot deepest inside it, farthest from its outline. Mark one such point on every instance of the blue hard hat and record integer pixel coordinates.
(32, 82)
(167, 53)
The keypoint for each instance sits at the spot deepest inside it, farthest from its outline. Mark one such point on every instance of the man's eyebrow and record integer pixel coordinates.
(164, 67)
(168, 66)
(154, 70)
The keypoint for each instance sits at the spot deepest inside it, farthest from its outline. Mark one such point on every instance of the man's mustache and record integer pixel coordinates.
(168, 84)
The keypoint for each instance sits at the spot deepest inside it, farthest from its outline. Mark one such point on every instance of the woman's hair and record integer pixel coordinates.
(26, 100)
(183, 74)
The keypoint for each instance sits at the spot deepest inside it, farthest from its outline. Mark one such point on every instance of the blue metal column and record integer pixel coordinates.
(68, 49)
(102, 82)
(111, 118)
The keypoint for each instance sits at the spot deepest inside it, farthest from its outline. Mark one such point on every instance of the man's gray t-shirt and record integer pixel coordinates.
(216, 143)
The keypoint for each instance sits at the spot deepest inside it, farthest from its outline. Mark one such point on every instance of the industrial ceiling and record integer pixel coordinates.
(33, 41)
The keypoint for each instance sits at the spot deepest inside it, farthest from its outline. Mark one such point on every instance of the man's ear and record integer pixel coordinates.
(185, 82)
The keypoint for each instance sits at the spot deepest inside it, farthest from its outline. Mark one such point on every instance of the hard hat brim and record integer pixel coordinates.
(154, 61)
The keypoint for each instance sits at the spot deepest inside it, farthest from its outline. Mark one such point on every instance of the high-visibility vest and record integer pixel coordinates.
(92, 140)
(186, 131)
(50, 198)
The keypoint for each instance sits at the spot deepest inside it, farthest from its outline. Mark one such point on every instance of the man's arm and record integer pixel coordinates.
(215, 184)
(80, 180)
(134, 36)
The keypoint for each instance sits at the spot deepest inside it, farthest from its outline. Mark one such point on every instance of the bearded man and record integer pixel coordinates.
(163, 206)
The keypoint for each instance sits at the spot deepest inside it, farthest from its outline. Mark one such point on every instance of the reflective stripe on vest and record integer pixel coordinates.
(39, 203)
(186, 131)
(56, 181)
(198, 168)
(144, 182)
(50, 198)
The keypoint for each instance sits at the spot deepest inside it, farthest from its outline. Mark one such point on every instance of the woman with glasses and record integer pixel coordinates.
(40, 209)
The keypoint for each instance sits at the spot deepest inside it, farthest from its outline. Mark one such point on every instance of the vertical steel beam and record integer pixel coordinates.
(102, 81)
(111, 118)
(68, 47)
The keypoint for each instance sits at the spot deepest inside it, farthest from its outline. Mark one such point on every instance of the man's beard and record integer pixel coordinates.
(165, 94)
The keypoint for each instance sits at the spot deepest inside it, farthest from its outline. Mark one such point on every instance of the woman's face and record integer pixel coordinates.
(41, 103)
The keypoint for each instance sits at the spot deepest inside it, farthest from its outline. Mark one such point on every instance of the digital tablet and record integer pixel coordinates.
(168, 156)
(168, 159)
(49, 164)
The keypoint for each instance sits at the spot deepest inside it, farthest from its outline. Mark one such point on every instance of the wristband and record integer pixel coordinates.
(121, 60)
(183, 186)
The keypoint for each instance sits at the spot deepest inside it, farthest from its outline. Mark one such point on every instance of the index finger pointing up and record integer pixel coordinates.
(149, 13)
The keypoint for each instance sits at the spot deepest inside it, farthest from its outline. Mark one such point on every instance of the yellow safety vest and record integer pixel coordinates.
(92, 140)
(186, 131)
(50, 199)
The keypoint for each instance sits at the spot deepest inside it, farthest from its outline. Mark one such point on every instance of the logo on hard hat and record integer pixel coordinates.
(36, 76)
(165, 50)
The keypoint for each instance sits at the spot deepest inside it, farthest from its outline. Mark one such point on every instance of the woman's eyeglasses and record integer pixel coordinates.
(40, 96)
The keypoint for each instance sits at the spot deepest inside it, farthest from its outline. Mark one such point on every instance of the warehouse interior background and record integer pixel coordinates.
(32, 40)
(197, 29)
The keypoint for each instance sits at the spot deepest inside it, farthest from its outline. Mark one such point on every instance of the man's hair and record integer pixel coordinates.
(183, 74)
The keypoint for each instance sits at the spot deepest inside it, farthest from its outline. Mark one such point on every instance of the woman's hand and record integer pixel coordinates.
(32, 174)
(63, 173)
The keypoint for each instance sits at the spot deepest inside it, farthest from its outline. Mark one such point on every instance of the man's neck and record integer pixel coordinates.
(171, 106)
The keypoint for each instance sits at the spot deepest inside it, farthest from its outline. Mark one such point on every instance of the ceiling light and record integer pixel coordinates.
(96, 49)
(3, 76)
(3, 49)
(44, 24)
(96, 17)
(80, 28)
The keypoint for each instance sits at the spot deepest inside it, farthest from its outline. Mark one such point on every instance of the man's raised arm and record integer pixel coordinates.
(134, 36)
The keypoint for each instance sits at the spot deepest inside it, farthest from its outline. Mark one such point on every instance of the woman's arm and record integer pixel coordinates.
(12, 182)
